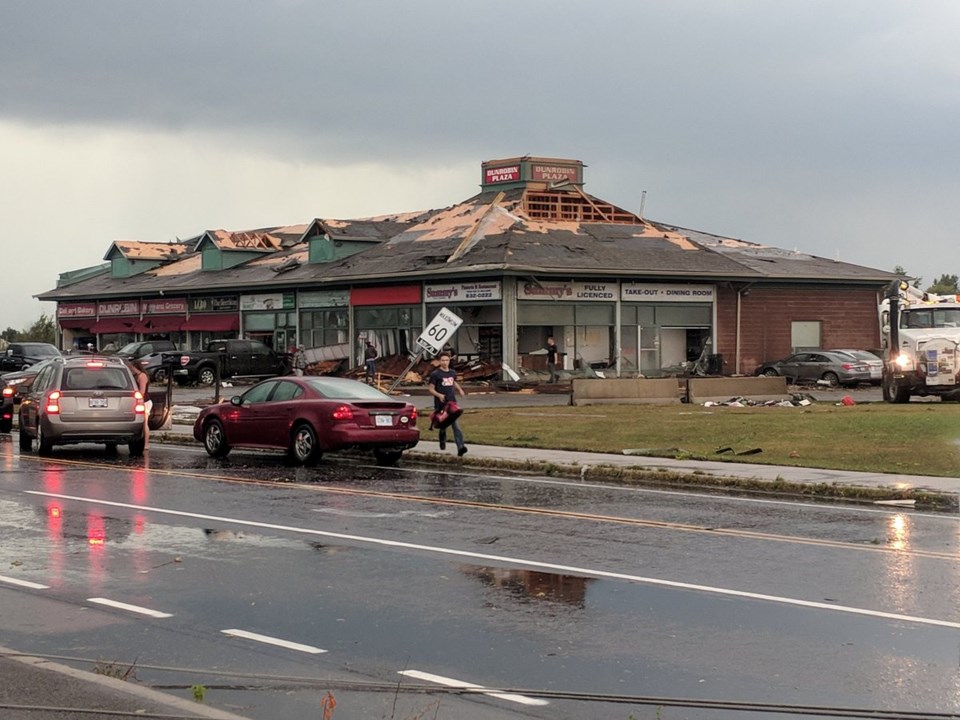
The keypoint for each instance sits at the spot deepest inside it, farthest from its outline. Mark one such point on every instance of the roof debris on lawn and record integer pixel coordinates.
(796, 400)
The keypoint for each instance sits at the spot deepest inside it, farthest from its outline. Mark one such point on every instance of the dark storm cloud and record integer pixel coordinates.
(740, 117)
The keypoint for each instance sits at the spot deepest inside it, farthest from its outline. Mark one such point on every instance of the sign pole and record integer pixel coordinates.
(416, 359)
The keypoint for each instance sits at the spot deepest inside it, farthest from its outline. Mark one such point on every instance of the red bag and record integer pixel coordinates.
(446, 416)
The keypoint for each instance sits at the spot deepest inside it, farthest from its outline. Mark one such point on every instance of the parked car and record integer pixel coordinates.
(225, 359)
(874, 362)
(20, 355)
(834, 368)
(307, 416)
(79, 399)
(14, 383)
(136, 350)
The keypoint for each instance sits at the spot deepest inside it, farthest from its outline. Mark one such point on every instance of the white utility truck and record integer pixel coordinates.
(920, 334)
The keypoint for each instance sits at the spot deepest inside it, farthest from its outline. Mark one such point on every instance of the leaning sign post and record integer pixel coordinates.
(431, 341)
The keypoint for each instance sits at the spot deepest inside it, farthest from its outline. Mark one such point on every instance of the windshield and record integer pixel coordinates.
(129, 349)
(930, 318)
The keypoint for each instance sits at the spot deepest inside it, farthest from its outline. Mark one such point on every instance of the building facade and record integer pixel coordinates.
(532, 255)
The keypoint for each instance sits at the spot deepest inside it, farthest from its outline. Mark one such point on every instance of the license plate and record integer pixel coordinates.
(98, 402)
(384, 420)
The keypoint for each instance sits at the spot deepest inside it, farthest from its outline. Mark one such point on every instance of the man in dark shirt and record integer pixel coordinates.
(552, 359)
(370, 363)
(444, 387)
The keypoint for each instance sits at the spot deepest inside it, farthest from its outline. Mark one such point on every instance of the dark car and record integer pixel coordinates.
(136, 350)
(831, 367)
(80, 399)
(307, 416)
(20, 355)
(14, 384)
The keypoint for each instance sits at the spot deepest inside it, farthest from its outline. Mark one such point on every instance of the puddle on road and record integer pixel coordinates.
(526, 586)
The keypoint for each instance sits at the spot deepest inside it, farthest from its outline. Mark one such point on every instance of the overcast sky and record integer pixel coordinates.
(827, 127)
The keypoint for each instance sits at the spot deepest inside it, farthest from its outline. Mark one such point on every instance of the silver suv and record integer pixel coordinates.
(83, 399)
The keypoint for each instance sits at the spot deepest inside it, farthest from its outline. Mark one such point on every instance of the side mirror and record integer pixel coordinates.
(236, 400)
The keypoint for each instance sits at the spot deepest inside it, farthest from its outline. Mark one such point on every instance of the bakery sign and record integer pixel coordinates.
(77, 310)
(462, 292)
(570, 291)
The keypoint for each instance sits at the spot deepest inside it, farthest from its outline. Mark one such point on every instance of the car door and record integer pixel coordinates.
(790, 368)
(32, 400)
(261, 359)
(284, 408)
(249, 422)
(814, 366)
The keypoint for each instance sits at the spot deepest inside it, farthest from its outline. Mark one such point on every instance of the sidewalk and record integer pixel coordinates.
(936, 492)
(35, 689)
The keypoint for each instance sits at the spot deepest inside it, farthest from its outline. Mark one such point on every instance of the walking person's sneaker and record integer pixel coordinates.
(461, 451)
(443, 444)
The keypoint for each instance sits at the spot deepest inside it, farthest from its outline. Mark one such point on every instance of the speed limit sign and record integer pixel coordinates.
(439, 331)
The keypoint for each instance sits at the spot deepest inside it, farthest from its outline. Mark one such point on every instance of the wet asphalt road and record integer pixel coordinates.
(509, 582)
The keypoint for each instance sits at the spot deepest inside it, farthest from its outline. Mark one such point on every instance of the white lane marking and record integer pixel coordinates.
(273, 641)
(450, 682)
(533, 564)
(23, 583)
(130, 608)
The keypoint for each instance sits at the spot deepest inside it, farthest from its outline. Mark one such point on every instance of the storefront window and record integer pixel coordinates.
(320, 328)
(659, 339)
(393, 330)
(584, 333)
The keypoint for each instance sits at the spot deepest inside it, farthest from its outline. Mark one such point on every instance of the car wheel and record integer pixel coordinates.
(215, 439)
(206, 376)
(136, 447)
(159, 376)
(26, 442)
(304, 447)
(44, 446)
(387, 458)
(769, 372)
(832, 379)
(6, 425)
(25, 367)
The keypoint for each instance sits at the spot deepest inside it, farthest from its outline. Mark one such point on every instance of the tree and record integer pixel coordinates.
(43, 330)
(898, 270)
(10, 335)
(945, 285)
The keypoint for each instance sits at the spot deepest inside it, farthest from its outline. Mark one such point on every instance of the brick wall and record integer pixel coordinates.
(848, 319)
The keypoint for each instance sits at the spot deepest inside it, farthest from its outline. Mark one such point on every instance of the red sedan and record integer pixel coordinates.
(307, 416)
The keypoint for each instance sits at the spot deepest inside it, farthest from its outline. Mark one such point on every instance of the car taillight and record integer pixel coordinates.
(413, 415)
(139, 406)
(8, 392)
(53, 403)
(344, 412)
(96, 364)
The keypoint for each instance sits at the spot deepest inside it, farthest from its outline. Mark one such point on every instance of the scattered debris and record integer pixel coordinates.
(796, 400)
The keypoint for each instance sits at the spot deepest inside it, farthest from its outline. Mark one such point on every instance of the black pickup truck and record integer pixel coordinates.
(228, 358)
